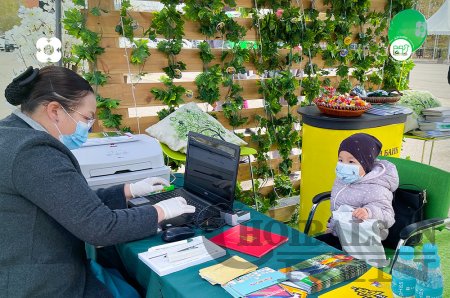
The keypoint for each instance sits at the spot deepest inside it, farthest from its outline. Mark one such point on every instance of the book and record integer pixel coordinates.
(437, 119)
(374, 283)
(249, 240)
(431, 133)
(323, 271)
(275, 291)
(227, 270)
(254, 281)
(439, 126)
(388, 109)
(437, 111)
(172, 257)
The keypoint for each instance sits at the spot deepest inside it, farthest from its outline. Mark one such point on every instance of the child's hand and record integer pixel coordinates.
(361, 213)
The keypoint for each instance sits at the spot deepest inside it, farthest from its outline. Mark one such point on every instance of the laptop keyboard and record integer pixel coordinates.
(181, 193)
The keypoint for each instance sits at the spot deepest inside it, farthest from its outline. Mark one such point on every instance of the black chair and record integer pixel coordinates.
(436, 182)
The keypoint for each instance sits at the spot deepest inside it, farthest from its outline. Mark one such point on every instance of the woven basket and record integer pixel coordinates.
(343, 112)
(379, 100)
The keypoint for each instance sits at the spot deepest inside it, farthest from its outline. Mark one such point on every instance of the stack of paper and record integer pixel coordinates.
(172, 257)
(227, 271)
(108, 137)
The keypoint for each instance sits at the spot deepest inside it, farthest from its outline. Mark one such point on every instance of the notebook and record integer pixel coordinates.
(323, 271)
(249, 240)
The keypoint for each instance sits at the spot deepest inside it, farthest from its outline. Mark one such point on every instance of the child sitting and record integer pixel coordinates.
(363, 183)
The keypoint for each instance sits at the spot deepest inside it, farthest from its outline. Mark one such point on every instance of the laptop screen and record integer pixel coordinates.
(211, 169)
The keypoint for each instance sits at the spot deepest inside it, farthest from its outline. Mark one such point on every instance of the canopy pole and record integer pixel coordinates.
(448, 50)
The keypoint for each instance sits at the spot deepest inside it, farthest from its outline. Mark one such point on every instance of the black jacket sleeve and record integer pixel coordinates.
(47, 177)
(113, 197)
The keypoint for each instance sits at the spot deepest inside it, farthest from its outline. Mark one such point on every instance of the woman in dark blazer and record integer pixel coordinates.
(47, 210)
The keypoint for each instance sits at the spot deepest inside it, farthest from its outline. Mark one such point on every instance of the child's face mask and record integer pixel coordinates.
(347, 173)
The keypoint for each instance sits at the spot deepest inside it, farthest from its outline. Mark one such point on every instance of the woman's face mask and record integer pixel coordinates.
(347, 173)
(79, 137)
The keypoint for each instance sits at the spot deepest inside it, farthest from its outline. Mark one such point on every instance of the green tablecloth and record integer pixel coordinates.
(188, 283)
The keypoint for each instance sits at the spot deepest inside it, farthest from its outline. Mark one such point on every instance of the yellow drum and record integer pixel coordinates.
(321, 137)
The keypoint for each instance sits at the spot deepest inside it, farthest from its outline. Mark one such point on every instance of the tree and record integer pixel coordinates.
(9, 17)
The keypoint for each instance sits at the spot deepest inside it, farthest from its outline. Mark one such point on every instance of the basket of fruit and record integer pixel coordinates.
(340, 105)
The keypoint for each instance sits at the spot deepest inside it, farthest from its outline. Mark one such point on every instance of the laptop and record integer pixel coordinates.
(209, 180)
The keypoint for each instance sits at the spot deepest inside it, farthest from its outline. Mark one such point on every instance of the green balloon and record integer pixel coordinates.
(410, 25)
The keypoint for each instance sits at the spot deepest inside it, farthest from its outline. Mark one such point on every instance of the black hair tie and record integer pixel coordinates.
(18, 90)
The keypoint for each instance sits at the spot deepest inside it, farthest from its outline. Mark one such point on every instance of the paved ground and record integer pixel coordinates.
(425, 76)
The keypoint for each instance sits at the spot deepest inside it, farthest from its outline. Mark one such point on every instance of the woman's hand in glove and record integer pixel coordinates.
(174, 207)
(147, 186)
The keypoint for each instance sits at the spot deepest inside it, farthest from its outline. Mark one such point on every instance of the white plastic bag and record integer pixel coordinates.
(360, 239)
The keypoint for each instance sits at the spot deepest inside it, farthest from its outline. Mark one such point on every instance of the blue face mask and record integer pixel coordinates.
(78, 138)
(347, 173)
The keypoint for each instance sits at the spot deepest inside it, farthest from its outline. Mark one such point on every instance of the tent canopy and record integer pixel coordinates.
(439, 23)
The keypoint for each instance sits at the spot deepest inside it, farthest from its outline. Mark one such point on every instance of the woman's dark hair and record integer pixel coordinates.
(50, 83)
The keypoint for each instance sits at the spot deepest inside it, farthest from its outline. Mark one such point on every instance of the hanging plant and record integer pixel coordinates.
(74, 22)
(208, 84)
(169, 24)
(213, 20)
(105, 106)
(172, 96)
(205, 54)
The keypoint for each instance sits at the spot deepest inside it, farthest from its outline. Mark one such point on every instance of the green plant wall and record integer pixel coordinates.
(348, 37)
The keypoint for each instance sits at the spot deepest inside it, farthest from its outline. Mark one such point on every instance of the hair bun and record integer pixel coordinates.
(18, 90)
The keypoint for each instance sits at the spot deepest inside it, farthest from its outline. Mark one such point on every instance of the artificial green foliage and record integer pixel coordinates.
(311, 88)
(125, 26)
(342, 70)
(283, 185)
(283, 86)
(235, 59)
(208, 83)
(344, 86)
(96, 78)
(205, 53)
(140, 52)
(105, 114)
(213, 20)
(233, 104)
(399, 5)
(74, 22)
(348, 9)
(171, 96)
(95, 11)
(167, 23)
(274, 4)
(396, 74)
(165, 112)
(79, 2)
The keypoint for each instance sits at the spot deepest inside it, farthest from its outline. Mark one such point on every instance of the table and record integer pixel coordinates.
(425, 140)
(188, 283)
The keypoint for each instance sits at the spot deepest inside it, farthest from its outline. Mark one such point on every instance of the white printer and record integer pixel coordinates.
(123, 162)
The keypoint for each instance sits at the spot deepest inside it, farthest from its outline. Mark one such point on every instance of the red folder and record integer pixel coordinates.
(249, 240)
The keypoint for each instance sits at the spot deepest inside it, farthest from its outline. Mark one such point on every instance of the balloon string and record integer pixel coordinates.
(401, 75)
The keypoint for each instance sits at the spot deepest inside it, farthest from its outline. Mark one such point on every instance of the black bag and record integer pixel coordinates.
(408, 207)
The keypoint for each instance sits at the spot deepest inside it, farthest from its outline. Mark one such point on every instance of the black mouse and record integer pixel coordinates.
(177, 233)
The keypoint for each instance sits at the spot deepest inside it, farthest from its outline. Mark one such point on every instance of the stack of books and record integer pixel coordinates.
(323, 271)
(436, 119)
